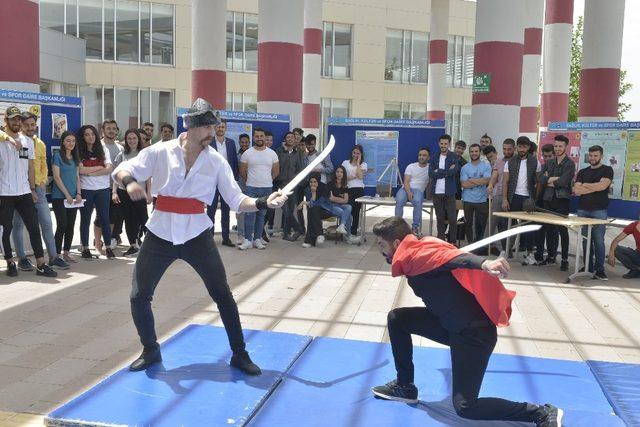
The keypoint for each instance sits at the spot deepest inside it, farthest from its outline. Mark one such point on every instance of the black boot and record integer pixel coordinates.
(148, 357)
(243, 362)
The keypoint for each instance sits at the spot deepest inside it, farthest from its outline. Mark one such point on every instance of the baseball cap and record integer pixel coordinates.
(12, 112)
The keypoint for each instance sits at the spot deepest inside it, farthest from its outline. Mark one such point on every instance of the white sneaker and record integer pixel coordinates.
(341, 229)
(246, 244)
(306, 245)
(240, 241)
(258, 244)
(529, 260)
(353, 240)
(114, 243)
(319, 240)
(263, 242)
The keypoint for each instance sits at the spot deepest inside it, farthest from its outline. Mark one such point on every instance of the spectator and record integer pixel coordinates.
(495, 188)
(258, 167)
(148, 130)
(518, 188)
(356, 170)
(316, 198)
(133, 212)
(18, 191)
(271, 213)
(166, 132)
(268, 139)
(109, 134)
(442, 173)
(629, 257)
(416, 176)
(66, 187)
(29, 129)
(339, 200)
(541, 234)
(291, 162)
(145, 141)
(227, 149)
(491, 155)
(459, 149)
(485, 141)
(95, 171)
(244, 141)
(556, 178)
(592, 187)
(474, 178)
(325, 168)
(298, 135)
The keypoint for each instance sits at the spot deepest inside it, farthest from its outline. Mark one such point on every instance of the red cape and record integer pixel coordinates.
(414, 257)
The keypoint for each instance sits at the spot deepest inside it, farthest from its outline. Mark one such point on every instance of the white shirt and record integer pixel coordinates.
(99, 182)
(14, 171)
(419, 176)
(165, 163)
(440, 183)
(222, 148)
(521, 185)
(259, 165)
(352, 181)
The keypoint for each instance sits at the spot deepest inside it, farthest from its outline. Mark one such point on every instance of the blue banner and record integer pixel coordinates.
(39, 98)
(385, 122)
(243, 115)
(593, 125)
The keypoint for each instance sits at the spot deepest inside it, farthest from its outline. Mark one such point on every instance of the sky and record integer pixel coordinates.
(630, 57)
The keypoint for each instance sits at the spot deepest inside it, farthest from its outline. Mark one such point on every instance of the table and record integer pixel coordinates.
(574, 223)
(427, 206)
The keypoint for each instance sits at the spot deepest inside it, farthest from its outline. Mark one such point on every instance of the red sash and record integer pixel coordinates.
(179, 205)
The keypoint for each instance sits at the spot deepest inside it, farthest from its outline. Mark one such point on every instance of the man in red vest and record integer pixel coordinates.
(465, 302)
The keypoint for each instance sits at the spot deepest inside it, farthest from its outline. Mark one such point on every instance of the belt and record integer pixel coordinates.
(179, 205)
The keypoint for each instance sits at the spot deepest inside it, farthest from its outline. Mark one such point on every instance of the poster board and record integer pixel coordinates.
(380, 148)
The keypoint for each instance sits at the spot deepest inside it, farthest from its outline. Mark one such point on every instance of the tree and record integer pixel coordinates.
(574, 76)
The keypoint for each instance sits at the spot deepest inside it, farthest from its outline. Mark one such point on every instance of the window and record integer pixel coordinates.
(237, 101)
(242, 42)
(92, 110)
(71, 17)
(162, 108)
(336, 50)
(407, 56)
(460, 53)
(145, 33)
(90, 27)
(126, 108)
(332, 107)
(404, 110)
(52, 14)
(458, 122)
(127, 37)
(162, 34)
(392, 110)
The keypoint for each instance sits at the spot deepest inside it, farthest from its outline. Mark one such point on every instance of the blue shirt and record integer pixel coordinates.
(68, 175)
(477, 194)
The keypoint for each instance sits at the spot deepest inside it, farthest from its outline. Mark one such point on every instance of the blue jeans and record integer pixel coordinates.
(597, 240)
(340, 210)
(46, 227)
(254, 221)
(101, 199)
(418, 198)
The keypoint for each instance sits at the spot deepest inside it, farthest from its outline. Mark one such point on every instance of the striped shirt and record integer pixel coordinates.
(14, 170)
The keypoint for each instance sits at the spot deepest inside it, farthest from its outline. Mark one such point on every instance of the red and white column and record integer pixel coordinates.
(531, 60)
(558, 20)
(280, 50)
(208, 51)
(20, 35)
(438, 39)
(601, 58)
(498, 52)
(311, 66)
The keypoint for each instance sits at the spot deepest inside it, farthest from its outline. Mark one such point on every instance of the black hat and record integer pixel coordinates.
(12, 112)
(200, 114)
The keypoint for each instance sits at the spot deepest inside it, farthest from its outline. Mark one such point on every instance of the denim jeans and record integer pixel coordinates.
(629, 257)
(155, 256)
(46, 227)
(101, 199)
(254, 221)
(597, 240)
(418, 198)
(340, 210)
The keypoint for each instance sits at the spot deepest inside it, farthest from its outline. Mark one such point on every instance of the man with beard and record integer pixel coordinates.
(465, 302)
(443, 169)
(291, 162)
(592, 185)
(474, 178)
(325, 168)
(186, 174)
(495, 187)
(416, 176)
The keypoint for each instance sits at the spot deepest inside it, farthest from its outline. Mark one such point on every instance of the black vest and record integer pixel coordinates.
(514, 170)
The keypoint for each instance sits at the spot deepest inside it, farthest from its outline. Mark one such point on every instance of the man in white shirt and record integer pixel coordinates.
(416, 176)
(18, 192)
(258, 167)
(186, 173)
(109, 141)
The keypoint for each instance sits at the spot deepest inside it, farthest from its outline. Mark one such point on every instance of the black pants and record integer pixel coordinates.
(65, 224)
(224, 212)
(27, 210)
(445, 207)
(562, 206)
(475, 214)
(526, 239)
(471, 349)
(629, 257)
(155, 256)
(299, 214)
(134, 214)
(289, 216)
(314, 224)
(355, 193)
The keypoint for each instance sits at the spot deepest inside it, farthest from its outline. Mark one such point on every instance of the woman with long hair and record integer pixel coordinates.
(338, 201)
(95, 169)
(133, 212)
(316, 196)
(66, 188)
(356, 170)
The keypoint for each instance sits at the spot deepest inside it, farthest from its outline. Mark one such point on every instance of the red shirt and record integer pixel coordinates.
(633, 229)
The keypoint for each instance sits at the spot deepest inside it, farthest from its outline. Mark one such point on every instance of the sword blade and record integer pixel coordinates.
(500, 236)
(310, 167)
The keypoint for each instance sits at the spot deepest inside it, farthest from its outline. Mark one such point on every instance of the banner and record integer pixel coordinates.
(614, 144)
(380, 148)
(632, 167)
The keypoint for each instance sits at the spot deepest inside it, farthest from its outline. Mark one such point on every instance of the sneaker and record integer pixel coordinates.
(294, 236)
(239, 241)
(258, 244)
(632, 274)
(341, 229)
(12, 270)
(45, 270)
(59, 263)
(265, 238)
(228, 242)
(549, 261)
(86, 254)
(551, 417)
(148, 357)
(243, 362)
(564, 265)
(110, 254)
(320, 240)
(264, 242)
(353, 240)
(600, 275)
(306, 245)
(25, 265)
(131, 251)
(114, 243)
(246, 244)
(407, 393)
(529, 260)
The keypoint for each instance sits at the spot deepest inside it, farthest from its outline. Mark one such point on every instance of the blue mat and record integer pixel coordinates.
(621, 384)
(330, 385)
(194, 385)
